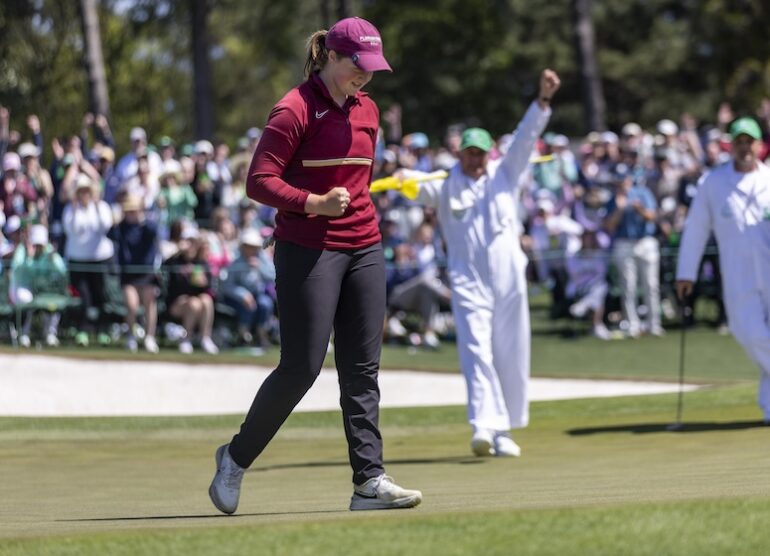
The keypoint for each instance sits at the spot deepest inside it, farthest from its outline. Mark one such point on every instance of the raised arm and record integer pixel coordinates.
(531, 126)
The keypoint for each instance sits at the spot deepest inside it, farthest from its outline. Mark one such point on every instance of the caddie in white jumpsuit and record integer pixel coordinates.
(733, 202)
(476, 207)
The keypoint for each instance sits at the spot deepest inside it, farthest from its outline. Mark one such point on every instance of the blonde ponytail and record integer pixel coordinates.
(317, 55)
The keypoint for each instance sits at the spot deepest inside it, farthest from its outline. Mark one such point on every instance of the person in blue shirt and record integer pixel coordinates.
(630, 221)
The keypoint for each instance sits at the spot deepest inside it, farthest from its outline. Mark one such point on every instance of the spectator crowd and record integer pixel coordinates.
(162, 240)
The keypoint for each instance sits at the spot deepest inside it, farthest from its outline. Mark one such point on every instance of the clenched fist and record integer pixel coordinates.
(549, 84)
(333, 203)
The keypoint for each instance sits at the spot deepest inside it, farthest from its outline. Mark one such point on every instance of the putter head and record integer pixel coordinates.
(674, 427)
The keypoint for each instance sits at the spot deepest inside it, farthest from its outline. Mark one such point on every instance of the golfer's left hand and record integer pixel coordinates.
(549, 84)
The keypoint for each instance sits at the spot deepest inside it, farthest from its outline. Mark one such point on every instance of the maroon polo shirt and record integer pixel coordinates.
(310, 145)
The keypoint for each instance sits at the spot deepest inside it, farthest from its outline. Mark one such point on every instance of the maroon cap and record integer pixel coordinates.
(359, 39)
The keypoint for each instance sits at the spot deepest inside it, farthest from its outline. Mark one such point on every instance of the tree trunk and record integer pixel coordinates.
(98, 97)
(325, 14)
(204, 111)
(343, 9)
(594, 105)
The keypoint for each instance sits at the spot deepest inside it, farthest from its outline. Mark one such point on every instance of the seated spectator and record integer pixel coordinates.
(188, 296)
(86, 221)
(36, 269)
(587, 285)
(136, 242)
(12, 237)
(412, 289)
(248, 287)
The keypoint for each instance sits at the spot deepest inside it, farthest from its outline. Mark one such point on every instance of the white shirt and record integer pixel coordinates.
(86, 230)
(736, 207)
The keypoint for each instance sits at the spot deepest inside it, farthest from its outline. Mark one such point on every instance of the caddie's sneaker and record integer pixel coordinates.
(505, 446)
(225, 489)
(381, 493)
(481, 443)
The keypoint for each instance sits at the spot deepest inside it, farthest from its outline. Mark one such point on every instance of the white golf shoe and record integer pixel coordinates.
(225, 489)
(482, 443)
(381, 493)
(505, 446)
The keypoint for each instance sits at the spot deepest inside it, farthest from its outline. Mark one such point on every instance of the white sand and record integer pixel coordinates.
(36, 385)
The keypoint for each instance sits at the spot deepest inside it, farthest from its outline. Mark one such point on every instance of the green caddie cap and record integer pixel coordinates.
(746, 126)
(476, 137)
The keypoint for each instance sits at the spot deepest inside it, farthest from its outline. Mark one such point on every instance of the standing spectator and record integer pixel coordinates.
(136, 242)
(128, 165)
(37, 269)
(177, 200)
(189, 291)
(630, 220)
(222, 241)
(205, 188)
(39, 179)
(17, 196)
(86, 221)
(250, 279)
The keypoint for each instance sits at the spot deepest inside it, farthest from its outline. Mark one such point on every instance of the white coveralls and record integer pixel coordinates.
(736, 207)
(487, 275)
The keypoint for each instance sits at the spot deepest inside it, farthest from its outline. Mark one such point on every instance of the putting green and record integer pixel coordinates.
(598, 476)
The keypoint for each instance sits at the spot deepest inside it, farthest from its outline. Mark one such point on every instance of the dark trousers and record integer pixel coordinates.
(319, 290)
(88, 280)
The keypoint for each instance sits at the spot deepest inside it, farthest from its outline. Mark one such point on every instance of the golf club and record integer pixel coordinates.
(685, 312)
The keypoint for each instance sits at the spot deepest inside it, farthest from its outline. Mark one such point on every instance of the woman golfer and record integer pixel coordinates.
(314, 164)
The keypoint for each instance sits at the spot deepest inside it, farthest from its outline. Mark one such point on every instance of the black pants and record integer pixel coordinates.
(88, 280)
(318, 290)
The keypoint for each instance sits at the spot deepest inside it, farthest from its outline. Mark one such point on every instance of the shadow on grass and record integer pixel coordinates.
(647, 428)
(204, 516)
(460, 460)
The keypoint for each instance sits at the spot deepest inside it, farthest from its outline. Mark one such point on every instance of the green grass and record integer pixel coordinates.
(599, 476)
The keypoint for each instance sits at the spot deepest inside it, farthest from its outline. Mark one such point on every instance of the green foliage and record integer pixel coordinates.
(470, 61)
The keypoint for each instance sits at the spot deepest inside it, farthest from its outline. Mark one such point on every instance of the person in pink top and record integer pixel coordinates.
(314, 164)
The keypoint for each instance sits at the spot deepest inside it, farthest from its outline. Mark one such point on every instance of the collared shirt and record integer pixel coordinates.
(632, 225)
(311, 145)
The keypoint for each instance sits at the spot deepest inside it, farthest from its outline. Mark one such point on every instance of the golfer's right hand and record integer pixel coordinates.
(333, 203)
(683, 289)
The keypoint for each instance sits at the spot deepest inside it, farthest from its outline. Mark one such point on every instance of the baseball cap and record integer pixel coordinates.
(632, 129)
(13, 224)
(359, 39)
(38, 235)
(419, 141)
(251, 237)
(667, 127)
(27, 150)
(253, 133)
(11, 161)
(204, 147)
(746, 126)
(165, 141)
(476, 137)
(138, 134)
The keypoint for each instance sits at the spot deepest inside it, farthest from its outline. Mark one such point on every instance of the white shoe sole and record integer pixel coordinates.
(358, 502)
(212, 491)
(482, 447)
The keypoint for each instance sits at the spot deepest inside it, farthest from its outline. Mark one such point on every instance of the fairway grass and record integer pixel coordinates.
(598, 476)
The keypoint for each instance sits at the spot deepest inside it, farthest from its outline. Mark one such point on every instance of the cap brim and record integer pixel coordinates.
(372, 62)
(475, 144)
